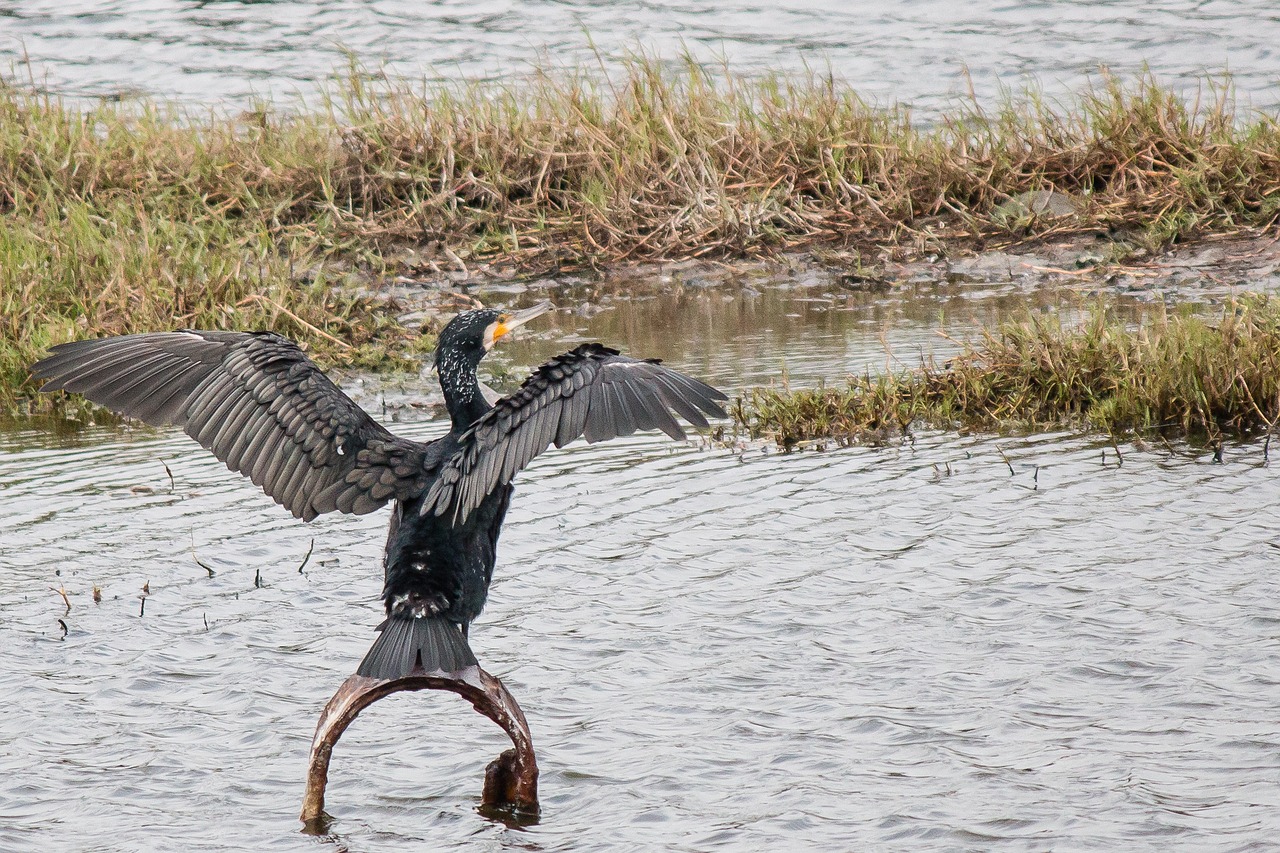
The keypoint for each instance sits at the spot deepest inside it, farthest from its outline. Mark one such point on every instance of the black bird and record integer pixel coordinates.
(261, 406)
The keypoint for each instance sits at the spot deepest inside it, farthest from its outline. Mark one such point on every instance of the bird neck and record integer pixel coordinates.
(461, 389)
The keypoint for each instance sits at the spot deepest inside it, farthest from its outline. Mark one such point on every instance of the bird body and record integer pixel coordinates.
(443, 568)
(261, 406)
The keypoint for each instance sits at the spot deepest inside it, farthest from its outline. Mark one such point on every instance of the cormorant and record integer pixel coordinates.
(262, 407)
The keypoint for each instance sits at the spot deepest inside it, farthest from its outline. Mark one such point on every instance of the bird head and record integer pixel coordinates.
(471, 334)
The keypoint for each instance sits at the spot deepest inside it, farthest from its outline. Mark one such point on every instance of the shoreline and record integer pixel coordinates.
(1214, 273)
(128, 218)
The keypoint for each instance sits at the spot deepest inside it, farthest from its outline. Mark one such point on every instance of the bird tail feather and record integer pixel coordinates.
(417, 646)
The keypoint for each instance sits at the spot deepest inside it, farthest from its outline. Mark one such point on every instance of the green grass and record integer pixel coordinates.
(1176, 374)
(131, 217)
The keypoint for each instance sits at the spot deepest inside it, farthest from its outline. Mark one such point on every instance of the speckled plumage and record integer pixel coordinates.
(261, 406)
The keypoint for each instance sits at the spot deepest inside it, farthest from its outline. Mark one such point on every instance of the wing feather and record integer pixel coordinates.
(628, 407)
(573, 418)
(257, 403)
(599, 415)
(591, 391)
(204, 427)
(166, 395)
(686, 401)
(257, 455)
(141, 371)
(232, 432)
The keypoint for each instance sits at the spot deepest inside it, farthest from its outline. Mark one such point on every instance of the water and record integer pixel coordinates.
(914, 52)
(718, 649)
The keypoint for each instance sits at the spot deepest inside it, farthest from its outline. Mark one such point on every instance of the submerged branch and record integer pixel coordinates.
(511, 780)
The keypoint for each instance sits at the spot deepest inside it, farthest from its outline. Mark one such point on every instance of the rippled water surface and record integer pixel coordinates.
(916, 51)
(910, 648)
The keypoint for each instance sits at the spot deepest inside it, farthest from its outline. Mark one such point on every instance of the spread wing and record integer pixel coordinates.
(259, 404)
(591, 391)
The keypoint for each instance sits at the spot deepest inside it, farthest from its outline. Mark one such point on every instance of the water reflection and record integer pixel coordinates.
(804, 328)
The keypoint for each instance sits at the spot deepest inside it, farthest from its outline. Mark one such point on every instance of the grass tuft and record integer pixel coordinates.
(1175, 374)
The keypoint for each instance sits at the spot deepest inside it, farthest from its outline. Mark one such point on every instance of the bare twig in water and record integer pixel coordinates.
(1119, 456)
(170, 473)
(65, 600)
(1000, 450)
(202, 565)
(308, 556)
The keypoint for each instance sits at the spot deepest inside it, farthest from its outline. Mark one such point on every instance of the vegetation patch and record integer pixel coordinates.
(135, 217)
(1174, 374)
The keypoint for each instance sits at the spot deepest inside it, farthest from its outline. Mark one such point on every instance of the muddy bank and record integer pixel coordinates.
(790, 308)
(1096, 264)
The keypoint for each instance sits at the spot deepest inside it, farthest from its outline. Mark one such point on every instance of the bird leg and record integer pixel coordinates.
(511, 780)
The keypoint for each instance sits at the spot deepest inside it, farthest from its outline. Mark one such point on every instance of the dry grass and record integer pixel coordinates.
(1180, 374)
(659, 164)
(133, 217)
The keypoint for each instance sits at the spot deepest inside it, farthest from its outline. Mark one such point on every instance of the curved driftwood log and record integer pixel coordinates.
(510, 781)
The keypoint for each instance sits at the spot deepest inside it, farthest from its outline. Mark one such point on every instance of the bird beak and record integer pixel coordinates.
(508, 323)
